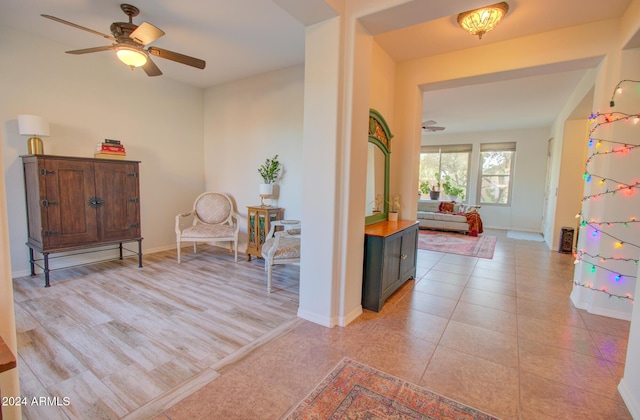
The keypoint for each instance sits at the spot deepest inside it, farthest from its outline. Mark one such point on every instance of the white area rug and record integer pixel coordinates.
(525, 236)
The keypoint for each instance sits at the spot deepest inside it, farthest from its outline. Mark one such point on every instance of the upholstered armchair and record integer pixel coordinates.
(214, 220)
(282, 246)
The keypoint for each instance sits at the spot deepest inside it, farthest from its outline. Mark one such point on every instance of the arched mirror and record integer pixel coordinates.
(379, 149)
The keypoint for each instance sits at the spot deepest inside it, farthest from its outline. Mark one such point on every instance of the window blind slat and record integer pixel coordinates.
(498, 147)
(449, 148)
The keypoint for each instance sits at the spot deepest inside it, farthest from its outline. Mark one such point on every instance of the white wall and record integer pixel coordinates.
(246, 122)
(527, 199)
(9, 379)
(86, 99)
(568, 193)
(629, 386)
(565, 190)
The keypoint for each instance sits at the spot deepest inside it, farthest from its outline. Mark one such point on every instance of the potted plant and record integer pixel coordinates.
(425, 189)
(269, 171)
(453, 191)
(394, 208)
(434, 193)
(377, 204)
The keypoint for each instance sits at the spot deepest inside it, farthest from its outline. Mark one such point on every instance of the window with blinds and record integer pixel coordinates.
(496, 170)
(438, 162)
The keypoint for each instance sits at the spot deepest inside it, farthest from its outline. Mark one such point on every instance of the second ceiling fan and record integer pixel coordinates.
(130, 41)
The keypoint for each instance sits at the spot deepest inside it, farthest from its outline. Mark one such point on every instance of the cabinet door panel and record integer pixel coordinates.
(391, 266)
(69, 186)
(35, 187)
(408, 252)
(117, 187)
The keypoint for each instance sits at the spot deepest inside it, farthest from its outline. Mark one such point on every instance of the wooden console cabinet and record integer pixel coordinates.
(259, 222)
(75, 203)
(390, 253)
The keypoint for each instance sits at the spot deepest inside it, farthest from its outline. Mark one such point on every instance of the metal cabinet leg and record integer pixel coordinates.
(140, 253)
(32, 262)
(46, 270)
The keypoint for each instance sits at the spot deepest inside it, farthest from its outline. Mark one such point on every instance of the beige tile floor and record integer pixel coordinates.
(500, 335)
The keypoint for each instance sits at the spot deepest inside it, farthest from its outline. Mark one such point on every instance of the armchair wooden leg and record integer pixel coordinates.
(178, 249)
(269, 271)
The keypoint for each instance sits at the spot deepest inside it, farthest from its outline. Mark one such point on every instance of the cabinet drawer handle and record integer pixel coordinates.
(403, 257)
(47, 203)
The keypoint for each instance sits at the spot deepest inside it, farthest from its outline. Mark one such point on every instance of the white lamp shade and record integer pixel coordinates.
(32, 125)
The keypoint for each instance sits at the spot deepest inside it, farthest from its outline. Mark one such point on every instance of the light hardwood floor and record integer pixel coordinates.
(121, 341)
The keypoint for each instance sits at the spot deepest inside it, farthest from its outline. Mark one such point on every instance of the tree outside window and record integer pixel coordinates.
(443, 161)
(496, 163)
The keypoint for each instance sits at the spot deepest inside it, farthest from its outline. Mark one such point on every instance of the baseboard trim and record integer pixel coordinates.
(631, 400)
(329, 322)
(350, 317)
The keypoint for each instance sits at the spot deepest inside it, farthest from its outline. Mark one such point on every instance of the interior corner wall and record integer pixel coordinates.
(89, 98)
(383, 76)
(9, 381)
(565, 186)
(247, 121)
(321, 162)
(570, 181)
(355, 91)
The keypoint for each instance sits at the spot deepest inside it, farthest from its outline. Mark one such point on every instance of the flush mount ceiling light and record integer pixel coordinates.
(482, 20)
(131, 56)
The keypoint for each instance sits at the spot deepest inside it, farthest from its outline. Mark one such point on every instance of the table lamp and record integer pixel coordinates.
(34, 126)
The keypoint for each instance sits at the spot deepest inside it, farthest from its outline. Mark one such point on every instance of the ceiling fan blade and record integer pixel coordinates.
(109, 37)
(433, 128)
(146, 33)
(92, 50)
(151, 69)
(177, 57)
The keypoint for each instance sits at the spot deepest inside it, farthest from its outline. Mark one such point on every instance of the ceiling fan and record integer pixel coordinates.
(129, 42)
(431, 126)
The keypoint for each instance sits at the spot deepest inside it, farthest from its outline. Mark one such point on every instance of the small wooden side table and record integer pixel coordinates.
(7, 362)
(259, 222)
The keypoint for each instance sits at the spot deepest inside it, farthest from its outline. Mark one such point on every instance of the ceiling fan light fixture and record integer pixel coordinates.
(482, 20)
(131, 57)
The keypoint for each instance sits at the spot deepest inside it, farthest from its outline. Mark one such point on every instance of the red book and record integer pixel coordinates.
(109, 148)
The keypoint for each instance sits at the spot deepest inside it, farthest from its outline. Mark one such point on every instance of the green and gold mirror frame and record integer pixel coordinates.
(378, 162)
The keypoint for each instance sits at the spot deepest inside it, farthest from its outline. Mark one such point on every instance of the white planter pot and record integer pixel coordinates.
(266, 189)
(393, 216)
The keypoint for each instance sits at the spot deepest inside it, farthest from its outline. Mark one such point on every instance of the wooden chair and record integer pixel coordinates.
(214, 220)
(281, 247)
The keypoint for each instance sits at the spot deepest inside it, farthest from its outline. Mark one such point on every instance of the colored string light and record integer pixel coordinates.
(599, 147)
(618, 90)
(599, 231)
(628, 296)
(582, 253)
(610, 118)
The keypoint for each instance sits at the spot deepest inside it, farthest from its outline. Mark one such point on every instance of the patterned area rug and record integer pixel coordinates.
(356, 391)
(456, 243)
